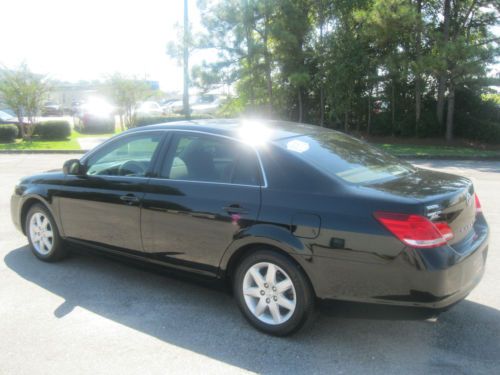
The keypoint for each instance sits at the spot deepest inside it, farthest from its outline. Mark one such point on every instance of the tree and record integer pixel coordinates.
(443, 63)
(292, 32)
(470, 48)
(388, 25)
(25, 92)
(418, 64)
(126, 93)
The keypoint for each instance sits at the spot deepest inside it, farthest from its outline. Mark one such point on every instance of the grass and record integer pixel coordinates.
(41, 144)
(437, 150)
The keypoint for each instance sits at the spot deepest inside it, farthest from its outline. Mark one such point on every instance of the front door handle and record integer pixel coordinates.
(129, 199)
(235, 209)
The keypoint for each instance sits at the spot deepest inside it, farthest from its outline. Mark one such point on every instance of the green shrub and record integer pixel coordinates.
(143, 121)
(476, 118)
(95, 125)
(56, 129)
(8, 133)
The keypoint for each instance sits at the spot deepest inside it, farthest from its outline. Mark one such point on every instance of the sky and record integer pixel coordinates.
(75, 40)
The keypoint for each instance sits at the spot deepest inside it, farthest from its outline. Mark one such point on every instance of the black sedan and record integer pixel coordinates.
(287, 213)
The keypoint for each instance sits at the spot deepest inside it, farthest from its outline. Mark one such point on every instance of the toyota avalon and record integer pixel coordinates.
(286, 213)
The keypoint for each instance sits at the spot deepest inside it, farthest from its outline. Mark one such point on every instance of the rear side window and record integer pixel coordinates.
(206, 158)
(344, 157)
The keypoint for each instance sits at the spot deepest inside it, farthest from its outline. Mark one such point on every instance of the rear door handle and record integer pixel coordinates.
(129, 198)
(235, 209)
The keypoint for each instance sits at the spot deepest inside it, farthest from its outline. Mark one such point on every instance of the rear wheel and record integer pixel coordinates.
(43, 235)
(273, 293)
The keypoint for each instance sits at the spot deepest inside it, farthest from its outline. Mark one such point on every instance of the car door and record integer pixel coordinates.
(103, 205)
(207, 190)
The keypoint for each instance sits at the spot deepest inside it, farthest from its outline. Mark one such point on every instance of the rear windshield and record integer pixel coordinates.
(342, 156)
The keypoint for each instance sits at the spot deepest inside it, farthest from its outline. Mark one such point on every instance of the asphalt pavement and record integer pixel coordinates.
(91, 314)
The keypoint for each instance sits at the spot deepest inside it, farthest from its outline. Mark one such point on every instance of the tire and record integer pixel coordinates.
(43, 235)
(278, 308)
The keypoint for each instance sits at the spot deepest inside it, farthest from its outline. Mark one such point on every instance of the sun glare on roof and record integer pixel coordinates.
(254, 132)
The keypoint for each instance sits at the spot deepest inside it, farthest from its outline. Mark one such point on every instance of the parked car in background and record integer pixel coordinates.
(175, 107)
(7, 118)
(206, 105)
(165, 105)
(199, 104)
(52, 109)
(286, 213)
(95, 116)
(149, 109)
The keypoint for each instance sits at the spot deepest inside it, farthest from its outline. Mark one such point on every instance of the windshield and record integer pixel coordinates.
(350, 159)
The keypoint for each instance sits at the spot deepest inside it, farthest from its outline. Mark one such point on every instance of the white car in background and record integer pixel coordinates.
(207, 105)
(199, 105)
(149, 109)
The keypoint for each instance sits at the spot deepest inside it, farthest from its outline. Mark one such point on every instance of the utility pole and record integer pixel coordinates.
(185, 96)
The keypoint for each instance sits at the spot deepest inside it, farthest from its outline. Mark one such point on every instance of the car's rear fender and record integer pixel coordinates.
(268, 236)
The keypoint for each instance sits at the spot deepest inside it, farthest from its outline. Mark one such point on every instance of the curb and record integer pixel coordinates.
(43, 151)
(449, 157)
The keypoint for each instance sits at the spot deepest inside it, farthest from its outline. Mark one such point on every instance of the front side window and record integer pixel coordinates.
(206, 158)
(128, 156)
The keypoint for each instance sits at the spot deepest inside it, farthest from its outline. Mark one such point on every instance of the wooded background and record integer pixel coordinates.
(380, 67)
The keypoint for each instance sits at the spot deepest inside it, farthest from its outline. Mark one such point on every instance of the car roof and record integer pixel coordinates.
(237, 128)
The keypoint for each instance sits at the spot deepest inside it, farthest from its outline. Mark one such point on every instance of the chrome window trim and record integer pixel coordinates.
(89, 153)
(263, 172)
(114, 138)
(230, 138)
(206, 182)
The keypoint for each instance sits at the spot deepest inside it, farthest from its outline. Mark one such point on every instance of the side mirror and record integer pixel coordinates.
(73, 167)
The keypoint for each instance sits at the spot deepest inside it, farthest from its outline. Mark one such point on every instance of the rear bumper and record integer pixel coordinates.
(441, 288)
(431, 278)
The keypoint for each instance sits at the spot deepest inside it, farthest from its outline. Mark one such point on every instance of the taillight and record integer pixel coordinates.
(478, 204)
(415, 230)
(444, 229)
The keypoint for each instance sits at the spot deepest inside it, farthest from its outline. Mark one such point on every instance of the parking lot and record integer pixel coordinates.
(90, 314)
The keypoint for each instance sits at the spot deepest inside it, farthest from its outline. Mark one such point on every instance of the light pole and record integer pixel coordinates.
(185, 96)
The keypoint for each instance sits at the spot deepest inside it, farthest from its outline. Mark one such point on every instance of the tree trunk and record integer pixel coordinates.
(321, 67)
(267, 60)
(247, 17)
(322, 106)
(393, 107)
(269, 82)
(451, 110)
(418, 103)
(369, 122)
(21, 125)
(442, 75)
(299, 96)
(418, 78)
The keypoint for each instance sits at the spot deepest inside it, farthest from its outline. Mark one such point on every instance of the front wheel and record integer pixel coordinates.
(43, 235)
(273, 293)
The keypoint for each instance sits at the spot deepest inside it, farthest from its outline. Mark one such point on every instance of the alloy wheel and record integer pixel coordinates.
(269, 293)
(41, 233)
